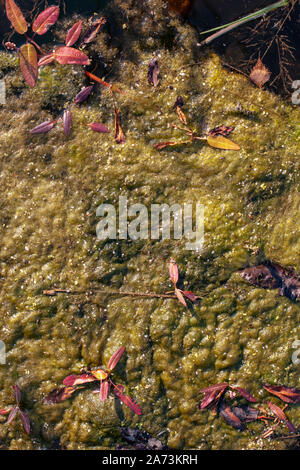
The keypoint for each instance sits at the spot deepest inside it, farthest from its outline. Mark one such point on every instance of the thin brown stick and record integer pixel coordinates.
(53, 292)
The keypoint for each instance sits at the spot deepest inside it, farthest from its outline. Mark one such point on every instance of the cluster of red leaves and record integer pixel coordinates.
(46, 126)
(214, 138)
(28, 53)
(72, 383)
(237, 416)
(16, 411)
(180, 294)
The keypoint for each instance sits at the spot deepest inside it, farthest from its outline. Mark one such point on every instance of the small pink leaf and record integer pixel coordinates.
(25, 421)
(74, 33)
(46, 59)
(43, 128)
(180, 297)
(115, 358)
(4, 412)
(67, 120)
(68, 55)
(173, 271)
(104, 390)
(45, 20)
(127, 401)
(12, 414)
(244, 393)
(72, 380)
(190, 295)
(83, 94)
(97, 127)
(17, 393)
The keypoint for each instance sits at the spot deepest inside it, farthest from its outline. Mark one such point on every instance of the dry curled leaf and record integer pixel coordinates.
(221, 142)
(59, 394)
(16, 17)
(28, 63)
(286, 394)
(221, 130)
(119, 134)
(153, 71)
(260, 74)
(92, 32)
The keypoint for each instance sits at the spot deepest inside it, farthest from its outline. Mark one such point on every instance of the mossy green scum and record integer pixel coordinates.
(50, 188)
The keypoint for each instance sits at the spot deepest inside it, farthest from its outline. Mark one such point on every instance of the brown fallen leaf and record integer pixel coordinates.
(59, 394)
(119, 134)
(221, 130)
(181, 6)
(230, 417)
(260, 74)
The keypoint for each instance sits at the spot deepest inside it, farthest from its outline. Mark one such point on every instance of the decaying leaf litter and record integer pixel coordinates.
(213, 124)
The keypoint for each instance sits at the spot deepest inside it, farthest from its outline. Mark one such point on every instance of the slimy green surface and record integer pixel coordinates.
(51, 187)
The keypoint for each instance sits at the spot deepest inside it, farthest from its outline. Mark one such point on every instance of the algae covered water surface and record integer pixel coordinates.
(51, 187)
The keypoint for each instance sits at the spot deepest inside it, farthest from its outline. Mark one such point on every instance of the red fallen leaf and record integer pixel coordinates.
(92, 32)
(25, 421)
(59, 394)
(230, 417)
(43, 128)
(46, 59)
(12, 414)
(83, 94)
(45, 20)
(211, 398)
(127, 400)
(190, 295)
(153, 72)
(281, 415)
(119, 134)
(216, 387)
(221, 130)
(173, 269)
(260, 74)
(28, 63)
(16, 17)
(97, 127)
(115, 358)
(67, 120)
(17, 393)
(74, 33)
(180, 297)
(4, 412)
(244, 393)
(72, 380)
(104, 390)
(286, 394)
(68, 55)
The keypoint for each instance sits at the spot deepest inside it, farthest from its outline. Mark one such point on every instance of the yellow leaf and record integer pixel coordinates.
(15, 16)
(221, 142)
(28, 63)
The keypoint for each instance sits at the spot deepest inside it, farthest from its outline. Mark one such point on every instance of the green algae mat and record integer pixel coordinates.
(51, 187)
